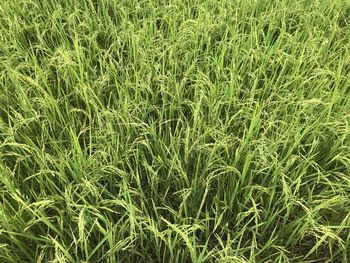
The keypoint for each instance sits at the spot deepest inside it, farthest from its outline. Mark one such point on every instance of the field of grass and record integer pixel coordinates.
(175, 131)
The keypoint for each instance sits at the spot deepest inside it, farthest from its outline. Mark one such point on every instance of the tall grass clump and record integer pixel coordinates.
(174, 131)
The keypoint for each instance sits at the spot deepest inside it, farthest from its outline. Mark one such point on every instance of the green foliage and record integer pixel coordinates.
(174, 131)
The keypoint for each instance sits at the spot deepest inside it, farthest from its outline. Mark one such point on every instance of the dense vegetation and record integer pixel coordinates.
(174, 131)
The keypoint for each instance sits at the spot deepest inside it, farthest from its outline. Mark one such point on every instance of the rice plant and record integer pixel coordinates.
(175, 131)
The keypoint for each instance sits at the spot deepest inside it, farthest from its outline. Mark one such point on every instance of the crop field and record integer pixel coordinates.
(174, 131)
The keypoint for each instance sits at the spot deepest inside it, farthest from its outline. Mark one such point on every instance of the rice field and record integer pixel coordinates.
(174, 131)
